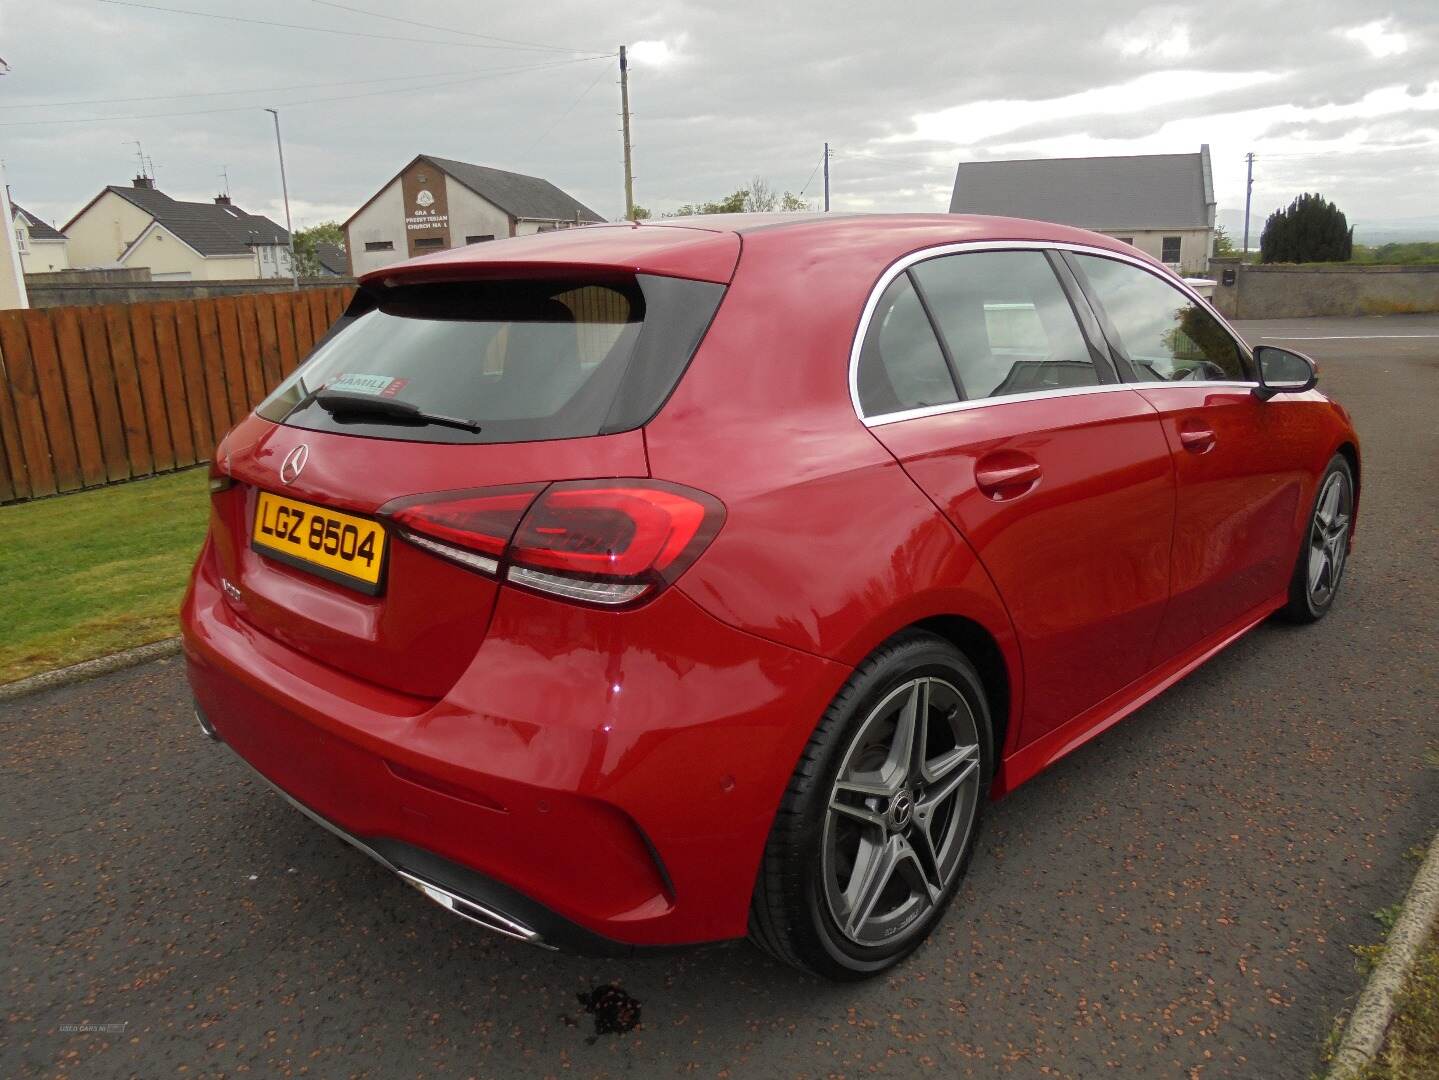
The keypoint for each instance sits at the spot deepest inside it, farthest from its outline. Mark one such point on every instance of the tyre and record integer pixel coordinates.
(878, 824)
(1325, 547)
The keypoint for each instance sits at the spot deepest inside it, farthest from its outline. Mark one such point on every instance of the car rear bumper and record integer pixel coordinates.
(596, 781)
(458, 889)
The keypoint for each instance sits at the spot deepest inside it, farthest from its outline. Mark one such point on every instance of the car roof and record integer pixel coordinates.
(707, 247)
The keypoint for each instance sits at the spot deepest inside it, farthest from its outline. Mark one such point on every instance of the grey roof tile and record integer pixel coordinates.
(209, 228)
(39, 229)
(518, 195)
(333, 258)
(1151, 191)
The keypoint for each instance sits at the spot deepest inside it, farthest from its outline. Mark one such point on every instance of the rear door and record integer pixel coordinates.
(1059, 476)
(1240, 464)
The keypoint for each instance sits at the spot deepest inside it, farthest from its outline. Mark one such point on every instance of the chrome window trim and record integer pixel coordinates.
(984, 403)
(904, 262)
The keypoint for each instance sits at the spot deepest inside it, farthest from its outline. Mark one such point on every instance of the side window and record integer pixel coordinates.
(900, 364)
(1007, 323)
(1169, 249)
(1164, 334)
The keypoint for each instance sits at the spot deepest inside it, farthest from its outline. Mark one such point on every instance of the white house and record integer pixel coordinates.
(140, 226)
(1163, 204)
(42, 247)
(435, 203)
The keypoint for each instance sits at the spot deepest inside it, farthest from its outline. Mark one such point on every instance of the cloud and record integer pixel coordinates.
(1160, 34)
(977, 122)
(658, 54)
(720, 93)
(1378, 38)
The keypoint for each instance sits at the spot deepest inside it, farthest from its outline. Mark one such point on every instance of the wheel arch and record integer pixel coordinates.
(982, 649)
(1350, 452)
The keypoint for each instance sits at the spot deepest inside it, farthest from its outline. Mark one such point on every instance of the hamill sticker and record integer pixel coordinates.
(374, 385)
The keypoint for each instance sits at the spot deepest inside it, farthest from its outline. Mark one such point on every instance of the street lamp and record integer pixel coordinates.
(284, 190)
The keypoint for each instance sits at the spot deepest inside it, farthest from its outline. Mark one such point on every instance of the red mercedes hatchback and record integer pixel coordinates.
(651, 585)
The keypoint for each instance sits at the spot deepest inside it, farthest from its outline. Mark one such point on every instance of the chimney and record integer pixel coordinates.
(145, 182)
(222, 200)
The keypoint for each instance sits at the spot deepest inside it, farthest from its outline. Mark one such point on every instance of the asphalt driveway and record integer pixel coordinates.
(1178, 898)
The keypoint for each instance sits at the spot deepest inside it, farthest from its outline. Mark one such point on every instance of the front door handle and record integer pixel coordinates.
(1197, 440)
(1006, 475)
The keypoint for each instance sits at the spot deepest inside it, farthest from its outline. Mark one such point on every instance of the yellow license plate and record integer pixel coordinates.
(346, 549)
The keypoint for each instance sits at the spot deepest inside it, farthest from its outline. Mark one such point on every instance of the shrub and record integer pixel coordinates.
(1310, 229)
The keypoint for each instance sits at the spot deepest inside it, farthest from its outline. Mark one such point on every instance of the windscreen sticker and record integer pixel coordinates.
(374, 385)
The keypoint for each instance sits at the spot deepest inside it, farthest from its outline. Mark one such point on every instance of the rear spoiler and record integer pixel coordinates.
(589, 251)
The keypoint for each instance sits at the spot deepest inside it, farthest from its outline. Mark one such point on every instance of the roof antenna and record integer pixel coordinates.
(225, 180)
(141, 159)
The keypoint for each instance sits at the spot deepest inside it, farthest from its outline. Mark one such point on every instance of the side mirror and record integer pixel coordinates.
(1283, 371)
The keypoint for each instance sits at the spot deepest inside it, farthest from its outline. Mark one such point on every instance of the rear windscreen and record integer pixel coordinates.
(522, 360)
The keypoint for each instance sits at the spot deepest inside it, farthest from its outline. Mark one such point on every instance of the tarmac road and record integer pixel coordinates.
(1177, 898)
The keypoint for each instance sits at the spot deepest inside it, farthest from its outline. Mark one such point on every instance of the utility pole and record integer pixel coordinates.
(1248, 191)
(625, 113)
(285, 191)
(826, 178)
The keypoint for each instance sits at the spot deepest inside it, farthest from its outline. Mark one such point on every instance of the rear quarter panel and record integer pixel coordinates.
(827, 545)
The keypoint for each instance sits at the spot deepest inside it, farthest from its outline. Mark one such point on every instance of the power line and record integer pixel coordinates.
(315, 29)
(556, 122)
(1367, 150)
(306, 101)
(225, 93)
(445, 29)
(807, 183)
(910, 162)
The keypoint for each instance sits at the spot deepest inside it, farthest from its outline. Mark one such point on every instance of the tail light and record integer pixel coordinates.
(607, 542)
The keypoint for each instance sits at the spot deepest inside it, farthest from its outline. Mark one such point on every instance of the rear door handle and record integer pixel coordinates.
(1196, 440)
(1006, 475)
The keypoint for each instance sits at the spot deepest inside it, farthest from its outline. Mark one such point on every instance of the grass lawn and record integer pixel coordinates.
(92, 573)
(1412, 1049)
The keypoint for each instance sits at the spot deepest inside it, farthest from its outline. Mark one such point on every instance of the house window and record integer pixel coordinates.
(1126, 240)
(429, 242)
(1171, 250)
(265, 254)
(479, 239)
(379, 245)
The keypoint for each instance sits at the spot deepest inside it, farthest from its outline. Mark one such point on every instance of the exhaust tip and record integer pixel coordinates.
(206, 728)
(468, 909)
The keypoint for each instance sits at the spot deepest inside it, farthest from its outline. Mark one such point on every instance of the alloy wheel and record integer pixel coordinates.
(1329, 538)
(901, 811)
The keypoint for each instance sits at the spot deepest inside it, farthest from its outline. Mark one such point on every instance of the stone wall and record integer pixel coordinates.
(1285, 291)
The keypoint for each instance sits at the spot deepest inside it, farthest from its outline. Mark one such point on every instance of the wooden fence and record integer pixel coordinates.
(92, 395)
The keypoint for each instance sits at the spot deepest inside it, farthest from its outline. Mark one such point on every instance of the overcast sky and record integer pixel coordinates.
(1340, 96)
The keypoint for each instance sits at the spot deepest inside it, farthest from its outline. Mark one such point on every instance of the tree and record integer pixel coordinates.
(1310, 229)
(1223, 246)
(757, 197)
(730, 204)
(307, 262)
(639, 214)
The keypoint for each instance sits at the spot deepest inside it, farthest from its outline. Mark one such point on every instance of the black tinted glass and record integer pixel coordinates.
(900, 364)
(524, 360)
(1007, 322)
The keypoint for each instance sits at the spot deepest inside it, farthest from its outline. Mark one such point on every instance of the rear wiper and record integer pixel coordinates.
(342, 402)
(306, 396)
